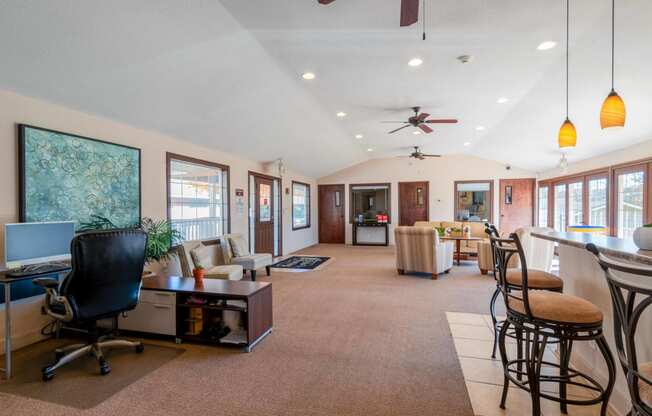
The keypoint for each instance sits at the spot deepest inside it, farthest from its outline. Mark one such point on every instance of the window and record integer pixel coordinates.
(300, 205)
(198, 205)
(368, 201)
(560, 208)
(474, 201)
(598, 201)
(575, 214)
(629, 202)
(543, 206)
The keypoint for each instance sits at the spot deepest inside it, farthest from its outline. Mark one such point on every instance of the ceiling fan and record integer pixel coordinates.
(418, 154)
(421, 121)
(409, 11)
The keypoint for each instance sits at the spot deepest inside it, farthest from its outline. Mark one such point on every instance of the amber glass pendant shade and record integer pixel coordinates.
(613, 113)
(567, 135)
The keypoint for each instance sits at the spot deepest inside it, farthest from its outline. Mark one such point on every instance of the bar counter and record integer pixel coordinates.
(583, 277)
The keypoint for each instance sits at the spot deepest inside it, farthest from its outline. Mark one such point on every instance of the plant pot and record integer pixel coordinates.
(643, 238)
(198, 274)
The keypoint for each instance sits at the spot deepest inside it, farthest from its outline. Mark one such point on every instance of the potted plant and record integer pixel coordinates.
(198, 273)
(441, 231)
(160, 235)
(643, 237)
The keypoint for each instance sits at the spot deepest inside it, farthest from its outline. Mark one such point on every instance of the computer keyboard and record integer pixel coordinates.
(34, 269)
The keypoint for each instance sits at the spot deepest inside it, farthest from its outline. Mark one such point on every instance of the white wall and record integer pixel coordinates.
(440, 172)
(19, 109)
(628, 154)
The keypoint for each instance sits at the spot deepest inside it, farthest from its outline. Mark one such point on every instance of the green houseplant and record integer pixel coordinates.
(160, 234)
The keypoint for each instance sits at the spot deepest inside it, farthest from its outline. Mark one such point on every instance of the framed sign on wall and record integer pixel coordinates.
(65, 177)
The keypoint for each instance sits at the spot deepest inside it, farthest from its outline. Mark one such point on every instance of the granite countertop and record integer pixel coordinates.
(609, 246)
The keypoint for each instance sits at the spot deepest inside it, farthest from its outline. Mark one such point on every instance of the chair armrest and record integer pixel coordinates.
(46, 282)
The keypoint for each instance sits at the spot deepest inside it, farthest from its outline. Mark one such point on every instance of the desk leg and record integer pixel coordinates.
(458, 250)
(7, 331)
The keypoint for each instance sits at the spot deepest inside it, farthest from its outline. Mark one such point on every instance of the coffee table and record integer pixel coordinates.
(458, 242)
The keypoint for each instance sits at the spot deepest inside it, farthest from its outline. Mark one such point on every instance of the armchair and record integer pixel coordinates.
(234, 251)
(418, 249)
(105, 280)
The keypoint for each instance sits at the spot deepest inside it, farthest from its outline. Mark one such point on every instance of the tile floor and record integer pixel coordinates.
(473, 337)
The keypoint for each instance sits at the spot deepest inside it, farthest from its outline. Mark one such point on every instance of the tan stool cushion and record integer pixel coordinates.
(557, 307)
(644, 389)
(536, 279)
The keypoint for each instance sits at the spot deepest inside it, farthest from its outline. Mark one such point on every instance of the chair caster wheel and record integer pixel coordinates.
(47, 374)
(104, 368)
(140, 348)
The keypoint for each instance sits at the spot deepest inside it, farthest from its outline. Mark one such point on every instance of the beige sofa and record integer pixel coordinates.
(418, 249)
(476, 229)
(220, 270)
(538, 253)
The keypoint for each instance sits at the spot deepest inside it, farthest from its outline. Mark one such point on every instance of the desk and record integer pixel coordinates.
(458, 247)
(370, 234)
(7, 281)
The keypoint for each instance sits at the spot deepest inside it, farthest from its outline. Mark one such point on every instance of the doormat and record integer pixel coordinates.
(300, 263)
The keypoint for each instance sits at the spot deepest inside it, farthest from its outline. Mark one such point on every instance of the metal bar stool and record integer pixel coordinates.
(628, 309)
(538, 279)
(544, 317)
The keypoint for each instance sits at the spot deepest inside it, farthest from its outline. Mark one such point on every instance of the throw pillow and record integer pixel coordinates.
(201, 255)
(238, 246)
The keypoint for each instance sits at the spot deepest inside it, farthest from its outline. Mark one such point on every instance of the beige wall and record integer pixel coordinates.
(18, 109)
(628, 154)
(441, 172)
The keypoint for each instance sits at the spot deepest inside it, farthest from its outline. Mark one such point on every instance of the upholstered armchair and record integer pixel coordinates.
(418, 249)
(235, 250)
(538, 253)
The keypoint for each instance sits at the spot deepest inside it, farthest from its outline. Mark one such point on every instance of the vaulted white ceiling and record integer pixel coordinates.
(228, 74)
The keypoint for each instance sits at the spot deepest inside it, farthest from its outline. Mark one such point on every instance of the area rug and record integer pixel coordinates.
(301, 263)
(79, 383)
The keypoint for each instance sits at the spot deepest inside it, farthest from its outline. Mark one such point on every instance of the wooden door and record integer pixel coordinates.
(412, 202)
(331, 214)
(516, 204)
(264, 215)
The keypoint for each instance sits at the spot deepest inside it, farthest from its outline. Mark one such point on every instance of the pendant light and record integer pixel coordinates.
(613, 112)
(567, 133)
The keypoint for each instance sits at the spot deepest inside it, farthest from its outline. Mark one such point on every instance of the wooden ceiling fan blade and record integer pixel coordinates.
(409, 12)
(441, 121)
(425, 128)
(423, 116)
(403, 122)
(400, 128)
(425, 155)
(325, 1)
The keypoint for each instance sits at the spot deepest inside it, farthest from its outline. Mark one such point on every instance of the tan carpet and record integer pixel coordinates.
(353, 338)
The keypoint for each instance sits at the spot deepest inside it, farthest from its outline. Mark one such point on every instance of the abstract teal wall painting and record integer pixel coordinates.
(64, 177)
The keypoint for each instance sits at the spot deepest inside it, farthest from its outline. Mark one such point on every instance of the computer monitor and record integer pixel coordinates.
(37, 242)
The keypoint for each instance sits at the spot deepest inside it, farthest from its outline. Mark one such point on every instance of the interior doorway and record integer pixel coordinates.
(331, 214)
(413, 202)
(265, 219)
(516, 204)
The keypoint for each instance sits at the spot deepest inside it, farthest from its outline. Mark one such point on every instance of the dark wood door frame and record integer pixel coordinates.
(320, 210)
(280, 207)
(426, 198)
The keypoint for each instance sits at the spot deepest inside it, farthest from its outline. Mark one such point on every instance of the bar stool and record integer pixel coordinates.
(545, 317)
(537, 279)
(627, 313)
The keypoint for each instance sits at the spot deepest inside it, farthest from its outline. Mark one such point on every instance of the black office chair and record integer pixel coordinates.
(105, 280)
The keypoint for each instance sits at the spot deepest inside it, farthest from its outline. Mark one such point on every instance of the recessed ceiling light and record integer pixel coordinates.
(502, 100)
(370, 150)
(416, 132)
(308, 75)
(341, 114)
(415, 61)
(544, 46)
(359, 136)
(467, 144)
(481, 128)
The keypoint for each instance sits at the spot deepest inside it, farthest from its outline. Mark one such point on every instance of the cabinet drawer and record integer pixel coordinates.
(161, 298)
(155, 318)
